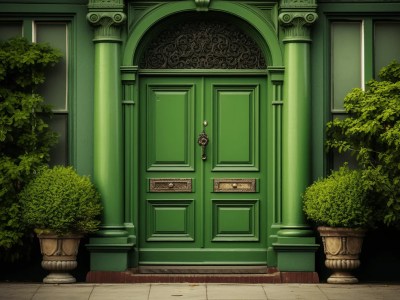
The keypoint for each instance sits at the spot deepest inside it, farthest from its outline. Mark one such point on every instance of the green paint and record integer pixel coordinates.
(233, 116)
(296, 131)
(215, 256)
(170, 219)
(243, 220)
(295, 242)
(187, 225)
(167, 135)
(107, 157)
(110, 249)
(263, 28)
(78, 150)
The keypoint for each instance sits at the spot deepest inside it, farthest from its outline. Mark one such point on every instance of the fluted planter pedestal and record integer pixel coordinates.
(342, 247)
(59, 256)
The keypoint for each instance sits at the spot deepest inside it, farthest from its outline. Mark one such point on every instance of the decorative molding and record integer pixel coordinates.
(276, 74)
(297, 25)
(296, 17)
(203, 44)
(106, 16)
(171, 185)
(239, 185)
(269, 11)
(137, 9)
(106, 4)
(297, 3)
(128, 74)
(202, 5)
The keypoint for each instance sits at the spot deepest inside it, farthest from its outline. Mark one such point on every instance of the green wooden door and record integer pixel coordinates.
(195, 209)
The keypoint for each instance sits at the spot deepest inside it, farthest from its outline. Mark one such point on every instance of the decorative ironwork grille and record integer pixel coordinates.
(203, 44)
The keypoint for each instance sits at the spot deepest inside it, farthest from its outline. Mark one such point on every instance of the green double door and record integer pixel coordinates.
(203, 170)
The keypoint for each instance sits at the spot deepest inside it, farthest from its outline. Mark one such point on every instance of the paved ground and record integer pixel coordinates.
(147, 291)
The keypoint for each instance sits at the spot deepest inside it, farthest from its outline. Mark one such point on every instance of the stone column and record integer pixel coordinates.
(296, 245)
(110, 245)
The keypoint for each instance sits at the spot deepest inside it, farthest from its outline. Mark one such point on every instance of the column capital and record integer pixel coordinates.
(296, 17)
(106, 16)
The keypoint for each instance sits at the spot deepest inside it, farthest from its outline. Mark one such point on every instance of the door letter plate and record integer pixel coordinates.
(170, 185)
(235, 185)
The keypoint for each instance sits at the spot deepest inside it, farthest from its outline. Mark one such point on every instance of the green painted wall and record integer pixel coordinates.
(104, 79)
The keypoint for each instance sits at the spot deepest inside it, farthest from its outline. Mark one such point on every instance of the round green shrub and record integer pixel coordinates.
(339, 200)
(62, 201)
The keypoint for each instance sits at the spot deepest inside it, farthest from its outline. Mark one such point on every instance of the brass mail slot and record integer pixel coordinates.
(172, 185)
(235, 185)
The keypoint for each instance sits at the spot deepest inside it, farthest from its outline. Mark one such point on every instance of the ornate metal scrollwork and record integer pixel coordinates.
(203, 44)
(203, 142)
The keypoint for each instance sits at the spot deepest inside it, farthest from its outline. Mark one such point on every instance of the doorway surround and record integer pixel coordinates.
(290, 242)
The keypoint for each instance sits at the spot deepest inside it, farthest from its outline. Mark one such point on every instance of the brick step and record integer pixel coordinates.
(131, 277)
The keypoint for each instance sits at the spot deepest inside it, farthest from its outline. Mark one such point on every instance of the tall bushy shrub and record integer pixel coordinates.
(25, 138)
(372, 133)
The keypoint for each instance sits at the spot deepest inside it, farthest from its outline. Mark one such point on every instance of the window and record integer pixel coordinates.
(386, 44)
(359, 48)
(55, 89)
(346, 60)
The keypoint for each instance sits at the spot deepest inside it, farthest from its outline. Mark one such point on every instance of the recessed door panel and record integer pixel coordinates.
(235, 220)
(235, 119)
(203, 197)
(170, 127)
(170, 220)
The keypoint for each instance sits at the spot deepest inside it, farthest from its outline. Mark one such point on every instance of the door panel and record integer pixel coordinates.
(235, 119)
(170, 127)
(195, 211)
(235, 220)
(170, 220)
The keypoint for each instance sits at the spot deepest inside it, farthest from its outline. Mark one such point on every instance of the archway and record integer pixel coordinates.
(188, 207)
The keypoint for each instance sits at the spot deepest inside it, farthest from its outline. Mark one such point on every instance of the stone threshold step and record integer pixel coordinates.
(202, 269)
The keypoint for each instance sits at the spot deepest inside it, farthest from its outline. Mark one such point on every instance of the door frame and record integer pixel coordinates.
(131, 74)
(202, 203)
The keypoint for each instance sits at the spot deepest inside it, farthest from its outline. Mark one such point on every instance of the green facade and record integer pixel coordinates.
(141, 80)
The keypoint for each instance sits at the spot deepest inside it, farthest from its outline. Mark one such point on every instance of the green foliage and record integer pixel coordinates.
(25, 138)
(61, 201)
(372, 134)
(339, 200)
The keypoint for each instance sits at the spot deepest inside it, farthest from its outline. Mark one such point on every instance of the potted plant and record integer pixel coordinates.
(61, 206)
(371, 132)
(340, 206)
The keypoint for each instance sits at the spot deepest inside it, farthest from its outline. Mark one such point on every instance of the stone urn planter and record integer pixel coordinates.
(342, 206)
(59, 256)
(61, 206)
(342, 247)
